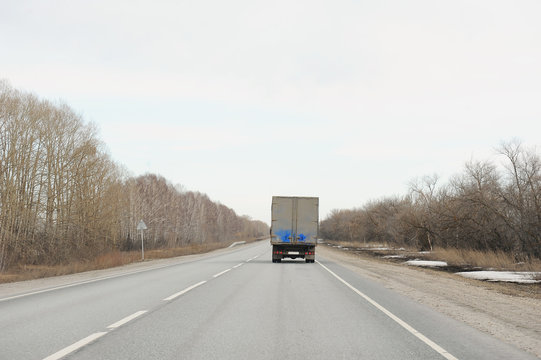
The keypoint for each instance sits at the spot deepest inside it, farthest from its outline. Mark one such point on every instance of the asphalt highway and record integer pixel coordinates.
(234, 304)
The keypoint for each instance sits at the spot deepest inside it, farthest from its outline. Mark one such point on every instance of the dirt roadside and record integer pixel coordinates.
(514, 319)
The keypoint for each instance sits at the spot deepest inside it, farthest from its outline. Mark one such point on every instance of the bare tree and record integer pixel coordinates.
(482, 209)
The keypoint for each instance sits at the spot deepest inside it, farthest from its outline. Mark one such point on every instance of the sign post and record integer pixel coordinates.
(141, 226)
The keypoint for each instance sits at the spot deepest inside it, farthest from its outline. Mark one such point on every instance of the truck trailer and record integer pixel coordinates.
(294, 227)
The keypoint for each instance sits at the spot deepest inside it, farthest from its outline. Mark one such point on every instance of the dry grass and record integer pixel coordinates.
(28, 272)
(112, 259)
(367, 245)
(497, 260)
(187, 250)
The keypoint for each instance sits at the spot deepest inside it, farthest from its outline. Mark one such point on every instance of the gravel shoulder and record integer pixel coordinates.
(508, 312)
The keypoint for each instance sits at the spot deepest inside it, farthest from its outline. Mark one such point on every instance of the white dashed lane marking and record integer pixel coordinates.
(75, 346)
(126, 319)
(220, 273)
(184, 291)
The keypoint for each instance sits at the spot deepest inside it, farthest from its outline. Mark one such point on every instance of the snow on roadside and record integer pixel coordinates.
(506, 276)
(426, 263)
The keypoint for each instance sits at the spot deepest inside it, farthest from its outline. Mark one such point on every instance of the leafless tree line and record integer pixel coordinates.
(175, 217)
(62, 197)
(487, 207)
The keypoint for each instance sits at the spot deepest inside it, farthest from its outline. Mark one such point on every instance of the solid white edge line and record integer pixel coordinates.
(184, 291)
(255, 257)
(82, 282)
(400, 322)
(220, 273)
(126, 319)
(79, 344)
(238, 265)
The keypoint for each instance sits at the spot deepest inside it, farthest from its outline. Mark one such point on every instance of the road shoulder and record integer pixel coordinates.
(512, 319)
(14, 289)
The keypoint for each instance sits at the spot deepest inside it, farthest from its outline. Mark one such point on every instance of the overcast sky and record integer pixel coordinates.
(242, 100)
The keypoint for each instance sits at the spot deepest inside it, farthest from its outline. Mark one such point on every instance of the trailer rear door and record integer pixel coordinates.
(294, 220)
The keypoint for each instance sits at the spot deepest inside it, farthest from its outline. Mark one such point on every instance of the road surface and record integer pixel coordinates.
(234, 304)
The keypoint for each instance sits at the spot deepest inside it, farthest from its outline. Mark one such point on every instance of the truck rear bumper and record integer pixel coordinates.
(307, 252)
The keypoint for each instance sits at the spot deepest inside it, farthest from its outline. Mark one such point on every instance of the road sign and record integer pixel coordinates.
(141, 225)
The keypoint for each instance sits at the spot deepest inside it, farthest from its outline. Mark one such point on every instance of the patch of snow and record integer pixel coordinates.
(506, 276)
(426, 263)
(424, 252)
(379, 248)
(394, 257)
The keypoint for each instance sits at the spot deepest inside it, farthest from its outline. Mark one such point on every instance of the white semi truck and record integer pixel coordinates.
(294, 227)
